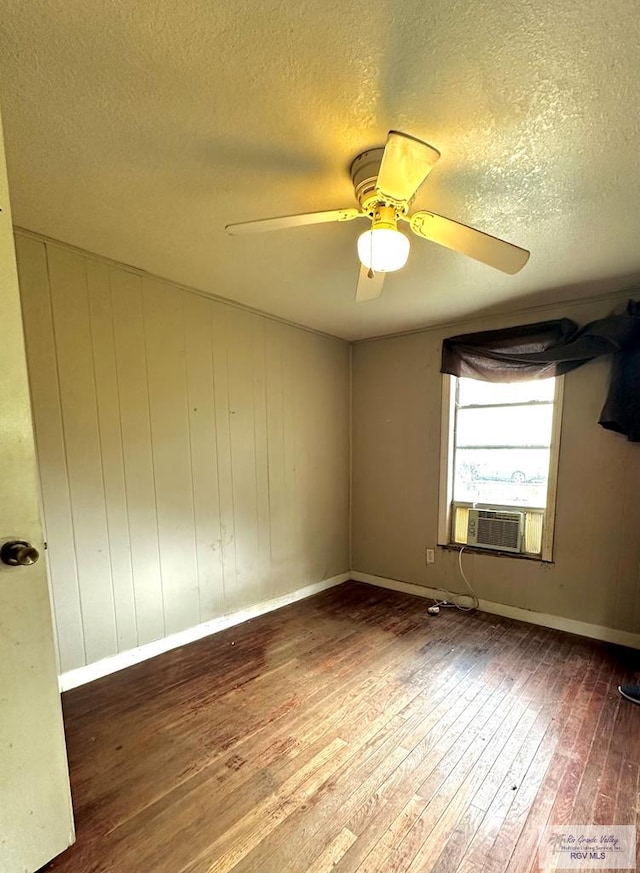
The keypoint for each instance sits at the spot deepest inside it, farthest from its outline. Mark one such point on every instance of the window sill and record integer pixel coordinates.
(520, 556)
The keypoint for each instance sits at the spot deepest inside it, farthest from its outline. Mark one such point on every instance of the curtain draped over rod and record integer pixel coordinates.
(551, 348)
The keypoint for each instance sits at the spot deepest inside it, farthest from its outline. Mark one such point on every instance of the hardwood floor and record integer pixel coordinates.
(351, 732)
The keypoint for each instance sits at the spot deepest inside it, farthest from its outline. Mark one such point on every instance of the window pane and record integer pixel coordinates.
(502, 451)
(473, 391)
(504, 426)
(511, 477)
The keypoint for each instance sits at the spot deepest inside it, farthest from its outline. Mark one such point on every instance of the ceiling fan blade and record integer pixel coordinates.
(369, 286)
(482, 246)
(406, 163)
(286, 221)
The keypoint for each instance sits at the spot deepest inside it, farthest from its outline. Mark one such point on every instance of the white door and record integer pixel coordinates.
(36, 821)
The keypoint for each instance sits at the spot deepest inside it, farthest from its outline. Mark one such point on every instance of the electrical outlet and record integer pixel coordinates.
(429, 556)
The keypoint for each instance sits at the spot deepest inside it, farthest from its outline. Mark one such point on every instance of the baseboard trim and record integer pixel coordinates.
(82, 675)
(557, 622)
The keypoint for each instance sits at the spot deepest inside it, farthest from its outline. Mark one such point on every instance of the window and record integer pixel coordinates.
(500, 450)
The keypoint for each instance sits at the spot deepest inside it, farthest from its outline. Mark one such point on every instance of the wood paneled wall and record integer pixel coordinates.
(194, 456)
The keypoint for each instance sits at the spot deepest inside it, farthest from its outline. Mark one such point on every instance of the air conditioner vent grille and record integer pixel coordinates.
(495, 529)
(499, 532)
(497, 515)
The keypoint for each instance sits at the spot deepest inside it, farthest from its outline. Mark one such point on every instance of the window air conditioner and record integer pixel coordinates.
(496, 529)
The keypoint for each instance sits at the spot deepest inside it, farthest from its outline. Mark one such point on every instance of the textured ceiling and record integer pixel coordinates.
(137, 130)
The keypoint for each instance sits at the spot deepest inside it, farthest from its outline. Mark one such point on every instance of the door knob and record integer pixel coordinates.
(18, 553)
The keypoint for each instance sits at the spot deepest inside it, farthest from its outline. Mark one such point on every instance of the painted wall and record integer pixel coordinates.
(397, 389)
(194, 456)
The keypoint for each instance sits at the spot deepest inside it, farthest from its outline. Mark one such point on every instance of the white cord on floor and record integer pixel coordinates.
(453, 600)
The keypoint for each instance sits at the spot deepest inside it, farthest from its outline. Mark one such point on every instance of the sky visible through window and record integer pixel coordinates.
(502, 442)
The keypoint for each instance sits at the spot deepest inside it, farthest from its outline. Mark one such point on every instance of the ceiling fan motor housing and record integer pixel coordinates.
(364, 175)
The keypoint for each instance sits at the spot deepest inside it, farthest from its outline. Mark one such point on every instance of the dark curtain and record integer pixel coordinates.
(551, 348)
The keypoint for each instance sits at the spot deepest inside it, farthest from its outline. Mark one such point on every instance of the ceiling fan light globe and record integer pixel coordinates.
(383, 250)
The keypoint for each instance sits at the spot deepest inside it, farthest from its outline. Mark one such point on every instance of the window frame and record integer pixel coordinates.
(445, 499)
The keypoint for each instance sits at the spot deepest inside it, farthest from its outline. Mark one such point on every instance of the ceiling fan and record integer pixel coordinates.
(385, 181)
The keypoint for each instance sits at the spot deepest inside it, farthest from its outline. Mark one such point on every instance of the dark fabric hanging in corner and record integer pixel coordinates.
(551, 348)
(621, 411)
